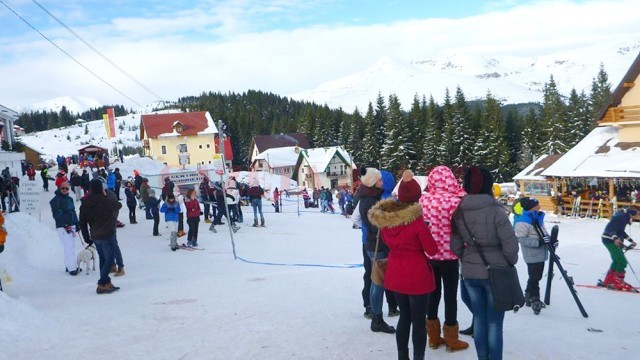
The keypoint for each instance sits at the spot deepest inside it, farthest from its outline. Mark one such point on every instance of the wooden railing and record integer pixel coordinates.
(587, 208)
(621, 114)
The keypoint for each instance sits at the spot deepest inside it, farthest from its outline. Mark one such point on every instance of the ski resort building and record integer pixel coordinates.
(182, 138)
(262, 143)
(329, 167)
(602, 171)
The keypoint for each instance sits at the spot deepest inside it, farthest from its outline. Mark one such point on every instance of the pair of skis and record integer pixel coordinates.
(555, 260)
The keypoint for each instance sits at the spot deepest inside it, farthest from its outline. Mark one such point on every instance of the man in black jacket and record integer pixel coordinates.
(99, 213)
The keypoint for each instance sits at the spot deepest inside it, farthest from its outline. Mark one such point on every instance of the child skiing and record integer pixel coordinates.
(534, 248)
(171, 210)
(613, 239)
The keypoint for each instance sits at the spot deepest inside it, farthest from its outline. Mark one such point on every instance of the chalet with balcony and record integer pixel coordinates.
(279, 161)
(329, 167)
(262, 143)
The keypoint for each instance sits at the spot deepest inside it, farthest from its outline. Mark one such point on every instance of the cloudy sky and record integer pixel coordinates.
(169, 49)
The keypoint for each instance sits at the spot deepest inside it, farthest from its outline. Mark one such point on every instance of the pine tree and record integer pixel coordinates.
(552, 120)
(578, 117)
(446, 148)
(430, 140)
(370, 145)
(600, 92)
(397, 151)
(463, 138)
(491, 149)
(416, 119)
(357, 134)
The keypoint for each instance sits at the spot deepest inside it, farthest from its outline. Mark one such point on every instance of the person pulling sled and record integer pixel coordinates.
(613, 239)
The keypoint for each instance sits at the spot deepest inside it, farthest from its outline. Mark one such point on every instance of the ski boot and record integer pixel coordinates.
(622, 285)
(212, 227)
(235, 228)
(173, 241)
(537, 305)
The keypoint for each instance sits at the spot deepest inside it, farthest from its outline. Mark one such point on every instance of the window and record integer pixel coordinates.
(200, 146)
(182, 148)
(164, 149)
(208, 146)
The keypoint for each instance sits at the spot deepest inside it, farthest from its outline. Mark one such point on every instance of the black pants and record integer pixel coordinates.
(193, 223)
(535, 274)
(156, 222)
(181, 222)
(117, 191)
(132, 212)
(366, 261)
(413, 309)
(446, 274)
(207, 209)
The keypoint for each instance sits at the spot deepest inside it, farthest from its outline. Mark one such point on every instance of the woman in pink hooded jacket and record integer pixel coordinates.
(438, 204)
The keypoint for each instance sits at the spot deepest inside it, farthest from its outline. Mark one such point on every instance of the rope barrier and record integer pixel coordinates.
(345, 266)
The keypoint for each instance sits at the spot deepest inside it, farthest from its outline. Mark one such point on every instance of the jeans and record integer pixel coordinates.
(487, 326)
(117, 253)
(366, 289)
(193, 223)
(106, 250)
(464, 295)
(156, 222)
(257, 208)
(147, 211)
(377, 292)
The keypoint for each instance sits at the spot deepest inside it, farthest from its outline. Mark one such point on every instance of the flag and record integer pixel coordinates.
(112, 120)
(106, 125)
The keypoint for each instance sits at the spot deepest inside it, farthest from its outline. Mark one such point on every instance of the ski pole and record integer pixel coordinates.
(628, 263)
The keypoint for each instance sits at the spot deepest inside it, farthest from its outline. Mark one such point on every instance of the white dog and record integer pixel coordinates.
(87, 255)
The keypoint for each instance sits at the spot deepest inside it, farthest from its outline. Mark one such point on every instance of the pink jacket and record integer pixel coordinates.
(438, 204)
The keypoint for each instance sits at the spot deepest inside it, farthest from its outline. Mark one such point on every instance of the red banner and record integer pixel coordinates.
(112, 120)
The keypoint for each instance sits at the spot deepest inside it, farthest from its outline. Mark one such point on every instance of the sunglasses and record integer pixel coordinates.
(64, 188)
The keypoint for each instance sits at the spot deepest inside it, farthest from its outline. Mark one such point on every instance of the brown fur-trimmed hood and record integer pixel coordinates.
(390, 213)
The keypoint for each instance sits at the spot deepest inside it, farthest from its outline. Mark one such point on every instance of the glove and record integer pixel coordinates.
(546, 239)
(619, 243)
(633, 244)
(69, 229)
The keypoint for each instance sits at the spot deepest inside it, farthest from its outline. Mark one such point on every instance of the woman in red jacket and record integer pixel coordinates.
(408, 274)
(193, 217)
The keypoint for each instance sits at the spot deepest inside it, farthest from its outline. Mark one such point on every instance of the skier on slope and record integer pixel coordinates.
(613, 239)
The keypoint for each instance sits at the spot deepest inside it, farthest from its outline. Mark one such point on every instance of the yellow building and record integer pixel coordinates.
(168, 137)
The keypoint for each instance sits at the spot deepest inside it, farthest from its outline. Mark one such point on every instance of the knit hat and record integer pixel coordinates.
(529, 203)
(478, 181)
(370, 176)
(409, 189)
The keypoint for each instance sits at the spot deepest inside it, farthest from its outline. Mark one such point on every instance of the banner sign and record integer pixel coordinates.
(29, 197)
(105, 118)
(112, 122)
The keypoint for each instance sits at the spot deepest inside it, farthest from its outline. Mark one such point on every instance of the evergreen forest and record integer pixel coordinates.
(393, 136)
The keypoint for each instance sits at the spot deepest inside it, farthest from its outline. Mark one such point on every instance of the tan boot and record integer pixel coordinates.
(433, 331)
(120, 271)
(113, 269)
(451, 338)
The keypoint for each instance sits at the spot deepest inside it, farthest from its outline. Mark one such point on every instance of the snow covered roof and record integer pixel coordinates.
(280, 157)
(163, 125)
(319, 158)
(599, 154)
(533, 171)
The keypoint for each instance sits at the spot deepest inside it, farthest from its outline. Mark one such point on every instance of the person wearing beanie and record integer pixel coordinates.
(486, 222)
(369, 194)
(438, 204)
(534, 249)
(408, 273)
(613, 239)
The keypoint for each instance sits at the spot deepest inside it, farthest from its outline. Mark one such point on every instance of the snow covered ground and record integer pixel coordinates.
(292, 293)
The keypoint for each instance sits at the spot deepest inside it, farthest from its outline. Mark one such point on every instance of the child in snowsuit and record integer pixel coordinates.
(171, 210)
(534, 248)
(613, 239)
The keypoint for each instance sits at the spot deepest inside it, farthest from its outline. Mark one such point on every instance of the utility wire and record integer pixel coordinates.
(98, 52)
(69, 55)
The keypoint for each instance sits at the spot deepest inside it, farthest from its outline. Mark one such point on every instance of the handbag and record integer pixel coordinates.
(379, 266)
(505, 284)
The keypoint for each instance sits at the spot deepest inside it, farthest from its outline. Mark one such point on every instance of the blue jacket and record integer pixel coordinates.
(153, 204)
(63, 210)
(532, 246)
(111, 180)
(388, 183)
(616, 226)
(171, 211)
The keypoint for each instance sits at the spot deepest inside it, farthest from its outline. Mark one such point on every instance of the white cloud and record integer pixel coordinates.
(213, 48)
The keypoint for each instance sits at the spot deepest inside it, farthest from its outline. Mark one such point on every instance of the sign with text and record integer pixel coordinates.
(218, 164)
(29, 197)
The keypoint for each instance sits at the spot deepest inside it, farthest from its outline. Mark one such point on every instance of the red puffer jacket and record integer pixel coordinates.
(193, 208)
(408, 238)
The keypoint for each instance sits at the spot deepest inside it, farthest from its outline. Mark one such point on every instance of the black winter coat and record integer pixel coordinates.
(99, 213)
(369, 196)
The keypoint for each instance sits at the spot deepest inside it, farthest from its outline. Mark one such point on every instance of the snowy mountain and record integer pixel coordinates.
(74, 104)
(511, 79)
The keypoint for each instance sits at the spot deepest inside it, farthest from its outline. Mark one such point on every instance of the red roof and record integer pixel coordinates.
(156, 124)
(228, 151)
